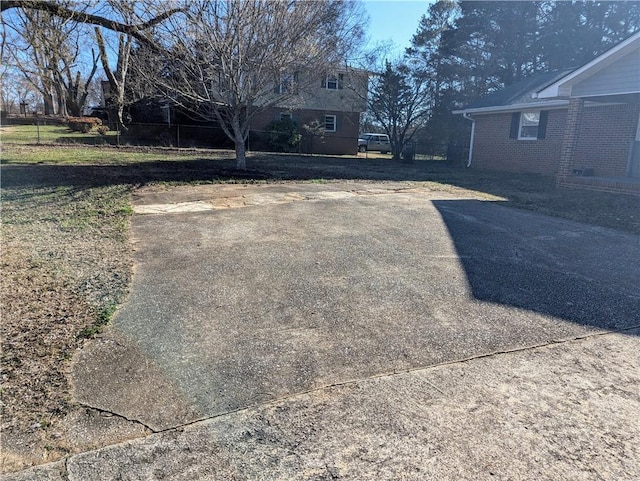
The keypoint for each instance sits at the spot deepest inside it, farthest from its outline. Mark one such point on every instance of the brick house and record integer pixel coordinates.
(332, 102)
(580, 125)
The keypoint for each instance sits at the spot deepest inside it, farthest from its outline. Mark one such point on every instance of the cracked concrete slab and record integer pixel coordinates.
(206, 199)
(159, 401)
(233, 308)
(563, 411)
(364, 331)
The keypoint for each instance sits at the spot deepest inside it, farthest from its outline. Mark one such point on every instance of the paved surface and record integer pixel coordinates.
(362, 331)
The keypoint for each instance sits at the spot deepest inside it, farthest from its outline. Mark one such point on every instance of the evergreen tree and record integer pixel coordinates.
(470, 49)
(573, 33)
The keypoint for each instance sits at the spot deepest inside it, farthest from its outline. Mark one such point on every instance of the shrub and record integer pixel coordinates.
(103, 129)
(284, 135)
(83, 124)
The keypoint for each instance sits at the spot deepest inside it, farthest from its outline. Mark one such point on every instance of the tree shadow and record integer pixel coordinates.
(569, 271)
(533, 192)
(261, 167)
(131, 173)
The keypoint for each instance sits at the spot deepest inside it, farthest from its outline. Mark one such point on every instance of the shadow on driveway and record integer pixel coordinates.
(584, 275)
(240, 306)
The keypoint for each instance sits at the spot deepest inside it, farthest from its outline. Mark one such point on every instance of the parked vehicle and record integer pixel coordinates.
(371, 141)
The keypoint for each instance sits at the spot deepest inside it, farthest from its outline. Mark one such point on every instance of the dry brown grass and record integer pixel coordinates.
(66, 260)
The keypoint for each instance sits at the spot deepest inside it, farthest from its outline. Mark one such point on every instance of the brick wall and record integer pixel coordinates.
(493, 149)
(602, 144)
(342, 142)
(605, 139)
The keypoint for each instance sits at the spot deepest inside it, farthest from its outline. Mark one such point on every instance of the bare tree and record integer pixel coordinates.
(117, 77)
(131, 12)
(399, 101)
(48, 50)
(46, 46)
(69, 11)
(227, 60)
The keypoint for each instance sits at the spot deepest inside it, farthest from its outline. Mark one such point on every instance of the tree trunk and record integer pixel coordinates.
(120, 126)
(241, 153)
(49, 108)
(397, 150)
(238, 139)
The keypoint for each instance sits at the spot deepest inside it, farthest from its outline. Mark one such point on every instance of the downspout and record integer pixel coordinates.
(473, 134)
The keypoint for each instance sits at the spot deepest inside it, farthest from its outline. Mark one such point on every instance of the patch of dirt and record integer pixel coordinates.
(63, 263)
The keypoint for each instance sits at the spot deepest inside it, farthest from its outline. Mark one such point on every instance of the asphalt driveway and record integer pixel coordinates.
(317, 308)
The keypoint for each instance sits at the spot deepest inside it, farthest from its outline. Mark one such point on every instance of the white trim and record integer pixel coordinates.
(335, 123)
(563, 86)
(612, 94)
(339, 81)
(551, 104)
(330, 78)
(520, 137)
(473, 137)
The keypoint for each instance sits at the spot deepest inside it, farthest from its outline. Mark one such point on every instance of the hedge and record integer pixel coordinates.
(83, 124)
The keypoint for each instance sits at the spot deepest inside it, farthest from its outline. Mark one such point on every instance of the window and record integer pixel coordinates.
(529, 122)
(285, 115)
(287, 83)
(333, 82)
(529, 125)
(330, 124)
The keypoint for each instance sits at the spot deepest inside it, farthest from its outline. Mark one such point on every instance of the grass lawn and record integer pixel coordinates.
(66, 258)
(50, 134)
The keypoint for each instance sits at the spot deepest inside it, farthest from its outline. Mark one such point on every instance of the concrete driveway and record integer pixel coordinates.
(366, 331)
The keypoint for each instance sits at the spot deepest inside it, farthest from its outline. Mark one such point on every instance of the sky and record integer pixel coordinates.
(394, 21)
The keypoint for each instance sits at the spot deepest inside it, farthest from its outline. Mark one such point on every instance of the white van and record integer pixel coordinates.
(371, 141)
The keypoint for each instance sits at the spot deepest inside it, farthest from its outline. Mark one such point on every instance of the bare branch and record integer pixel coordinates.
(61, 11)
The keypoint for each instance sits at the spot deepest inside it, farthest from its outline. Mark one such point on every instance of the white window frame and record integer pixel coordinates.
(528, 123)
(333, 82)
(334, 121)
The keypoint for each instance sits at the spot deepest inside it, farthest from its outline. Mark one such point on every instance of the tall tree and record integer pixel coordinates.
(432, 55)
(573, 33)
(497, 42)
(399, 102)
(493, 44)
(47, 51)
(226, 60)
(116, 77)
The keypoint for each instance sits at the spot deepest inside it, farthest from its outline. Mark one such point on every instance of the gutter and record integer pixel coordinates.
(541, 105)
(473, 135)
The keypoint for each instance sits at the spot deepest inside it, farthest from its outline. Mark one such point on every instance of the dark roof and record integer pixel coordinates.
(520, 92)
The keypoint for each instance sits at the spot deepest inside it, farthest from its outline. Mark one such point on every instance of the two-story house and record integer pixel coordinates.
(325, 107)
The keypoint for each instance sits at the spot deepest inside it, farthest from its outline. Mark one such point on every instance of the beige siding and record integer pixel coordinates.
(350, 98)
(311, 95)
(623, 76)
